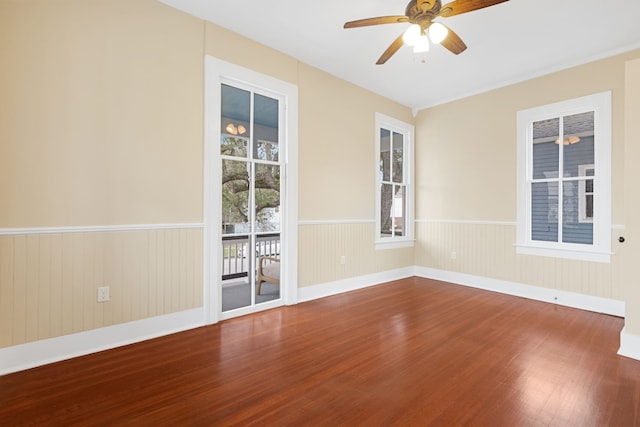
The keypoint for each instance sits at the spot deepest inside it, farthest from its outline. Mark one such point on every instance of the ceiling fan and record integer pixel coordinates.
(421, 13)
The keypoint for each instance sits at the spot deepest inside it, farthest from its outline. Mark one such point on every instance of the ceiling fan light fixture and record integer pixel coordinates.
(438, 32)
(412, 35)
(231, 129)
(421, 15)
(235, 130)
(569, 140)
(422, 45)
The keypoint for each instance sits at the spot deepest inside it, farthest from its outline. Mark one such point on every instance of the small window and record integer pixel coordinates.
(564, 179)
(585, 195)
(394, 183)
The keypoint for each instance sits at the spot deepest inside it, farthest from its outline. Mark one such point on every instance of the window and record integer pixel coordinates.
(585, 196)
(564, 179)
(394, 183)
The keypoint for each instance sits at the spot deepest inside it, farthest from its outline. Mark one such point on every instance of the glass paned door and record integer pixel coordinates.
(251, 202)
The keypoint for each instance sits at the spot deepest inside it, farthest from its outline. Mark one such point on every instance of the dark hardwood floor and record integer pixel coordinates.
(412, 352)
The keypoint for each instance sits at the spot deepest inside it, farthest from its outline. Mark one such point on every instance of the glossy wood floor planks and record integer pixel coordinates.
(411, 352)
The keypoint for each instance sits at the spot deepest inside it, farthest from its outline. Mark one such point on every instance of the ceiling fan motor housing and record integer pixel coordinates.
(423, 13)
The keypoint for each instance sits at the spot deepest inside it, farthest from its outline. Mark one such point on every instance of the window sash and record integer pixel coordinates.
(571, 189)
(394, 191)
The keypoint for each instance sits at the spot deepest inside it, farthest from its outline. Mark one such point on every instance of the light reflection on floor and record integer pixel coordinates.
(545, 392)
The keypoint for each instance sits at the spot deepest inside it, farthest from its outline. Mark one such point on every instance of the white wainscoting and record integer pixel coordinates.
(49, 277)
(41, 352)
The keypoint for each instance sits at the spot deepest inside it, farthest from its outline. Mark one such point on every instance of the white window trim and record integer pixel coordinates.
(407, 130)
(600, 251)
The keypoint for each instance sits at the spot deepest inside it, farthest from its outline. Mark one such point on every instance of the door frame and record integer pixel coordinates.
(216, 71)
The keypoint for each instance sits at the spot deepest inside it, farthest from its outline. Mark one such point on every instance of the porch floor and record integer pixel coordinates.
(238, 294)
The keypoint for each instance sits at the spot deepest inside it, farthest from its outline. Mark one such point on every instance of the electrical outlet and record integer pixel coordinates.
(454, 255)
(343, 260)
(103, 294)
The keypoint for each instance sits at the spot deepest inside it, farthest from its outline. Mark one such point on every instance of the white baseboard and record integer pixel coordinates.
(629, 345)
(554, 296)
(30, 355)
(26, 356)
(322, 290)
(38, 353)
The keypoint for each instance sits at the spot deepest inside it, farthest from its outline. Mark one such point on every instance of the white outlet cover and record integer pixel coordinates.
(103, 294)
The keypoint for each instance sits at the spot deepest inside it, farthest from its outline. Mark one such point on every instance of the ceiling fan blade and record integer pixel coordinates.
(380, 20)
(453, 42)
(393, 48)
(458, 7)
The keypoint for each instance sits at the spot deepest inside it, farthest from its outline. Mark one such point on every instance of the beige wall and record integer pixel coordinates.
(477, 135)
(323, 245)
(101, 125)
(100, 113)
(336, 160)
(486, 250)
(337, 180)
(336, 128)
(231, 47)
(632, 197)
(48, 282)
(466, 198)
(337, 150)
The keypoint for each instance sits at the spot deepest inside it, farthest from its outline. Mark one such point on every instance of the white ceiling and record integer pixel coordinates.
(507, 43)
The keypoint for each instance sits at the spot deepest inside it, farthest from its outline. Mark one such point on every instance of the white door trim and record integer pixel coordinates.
(216, 71)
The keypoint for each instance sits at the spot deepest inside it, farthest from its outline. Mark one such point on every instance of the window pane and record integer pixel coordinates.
(588, 185)
(546, 155)
(574, 231)
(578, 143)
(268, 245)
(399, 210)
(578, 155)
(589, 206)
(385, 210)
(544, 211)
(234, 122)
(265, 134)
(398, 157)
(233, 146)
(268, 273)
(267, 197)
(385, 158)
(235, 197)
(237, 261)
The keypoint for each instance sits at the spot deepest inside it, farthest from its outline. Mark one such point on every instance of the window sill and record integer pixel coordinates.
(395, 244)
(580, 255)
